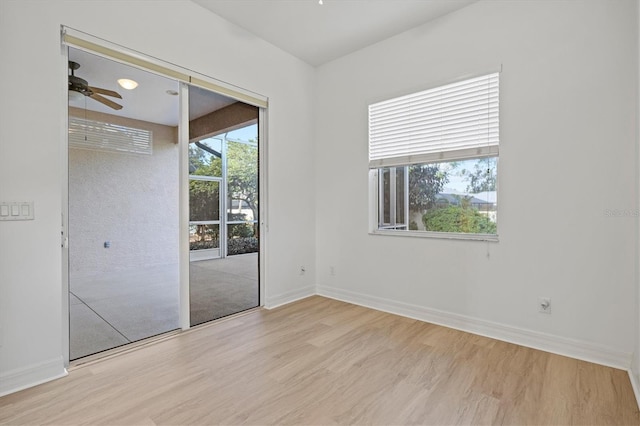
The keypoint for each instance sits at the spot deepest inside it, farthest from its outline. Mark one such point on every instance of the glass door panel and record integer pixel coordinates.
(204, 200)
(242, 191)
(204, 218)
(123, 208)
(223, 203)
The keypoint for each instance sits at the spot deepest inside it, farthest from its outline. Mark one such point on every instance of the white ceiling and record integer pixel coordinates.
(320, 33)
(149, 101)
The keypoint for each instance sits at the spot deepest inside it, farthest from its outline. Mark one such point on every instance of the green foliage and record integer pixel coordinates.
(202, 163)
(208, 237)
(242, 245)
(240, 230)
(425, 182)
(242, 174)
(483, 176)
(204, 199)
(204, 196)
(458, 219)
(202, 245)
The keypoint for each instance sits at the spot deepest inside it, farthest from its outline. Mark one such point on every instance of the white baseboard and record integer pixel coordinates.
(19, 379)
(533, 339)
(272, 302)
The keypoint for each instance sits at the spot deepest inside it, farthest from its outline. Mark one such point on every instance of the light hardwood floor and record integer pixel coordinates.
(320, 361)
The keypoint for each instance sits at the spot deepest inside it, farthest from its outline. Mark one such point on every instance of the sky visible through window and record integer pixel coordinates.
(459, 174)
(248, 133)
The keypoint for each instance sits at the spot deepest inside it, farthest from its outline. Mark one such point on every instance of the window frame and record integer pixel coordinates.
(376, 210)
(374, 197)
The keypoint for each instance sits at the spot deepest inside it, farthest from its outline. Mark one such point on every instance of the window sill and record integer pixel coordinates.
(437, 235)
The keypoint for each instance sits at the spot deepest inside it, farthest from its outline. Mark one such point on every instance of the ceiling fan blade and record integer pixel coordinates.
(105, 92)
(105, 101)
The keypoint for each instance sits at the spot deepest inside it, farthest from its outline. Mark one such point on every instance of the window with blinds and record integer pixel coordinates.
(433, 156)
(108, 137)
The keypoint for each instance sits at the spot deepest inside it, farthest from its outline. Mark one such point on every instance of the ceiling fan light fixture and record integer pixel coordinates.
(75, 96)
(125, 83)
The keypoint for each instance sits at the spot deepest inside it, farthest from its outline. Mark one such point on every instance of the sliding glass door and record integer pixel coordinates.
(163, 200)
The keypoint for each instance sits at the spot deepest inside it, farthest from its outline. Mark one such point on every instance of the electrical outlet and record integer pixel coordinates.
(544, 305)
(332, 271)
(302, 270)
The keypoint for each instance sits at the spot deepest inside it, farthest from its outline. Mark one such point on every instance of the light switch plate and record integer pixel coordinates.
(16, 210)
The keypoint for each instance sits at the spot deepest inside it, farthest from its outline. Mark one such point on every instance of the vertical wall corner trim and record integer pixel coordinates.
(635, 384)
(272, 302)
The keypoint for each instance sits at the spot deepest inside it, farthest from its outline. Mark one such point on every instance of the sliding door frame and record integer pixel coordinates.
(183, 208)
(64, 225)
(86, 42)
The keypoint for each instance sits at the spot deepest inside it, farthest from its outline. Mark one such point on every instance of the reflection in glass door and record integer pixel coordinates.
(223, 206)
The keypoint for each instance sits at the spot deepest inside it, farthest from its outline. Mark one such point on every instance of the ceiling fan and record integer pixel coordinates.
(80, 85)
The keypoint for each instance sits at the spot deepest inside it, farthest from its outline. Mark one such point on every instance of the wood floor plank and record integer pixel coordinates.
(321, 361)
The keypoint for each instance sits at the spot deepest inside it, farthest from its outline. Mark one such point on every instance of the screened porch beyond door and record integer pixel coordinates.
(101, 317)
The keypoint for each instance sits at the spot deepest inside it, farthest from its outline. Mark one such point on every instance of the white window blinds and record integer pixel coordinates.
(99, 136)
(452, 122)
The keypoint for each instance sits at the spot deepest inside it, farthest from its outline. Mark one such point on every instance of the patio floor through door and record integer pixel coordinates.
(112, 309)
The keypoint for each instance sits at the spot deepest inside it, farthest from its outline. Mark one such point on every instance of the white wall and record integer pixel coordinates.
(130, 200)
(31, 152)
(568, 123)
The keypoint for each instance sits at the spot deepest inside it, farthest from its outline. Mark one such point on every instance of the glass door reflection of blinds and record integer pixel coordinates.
(452, 122)
(100, 136)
